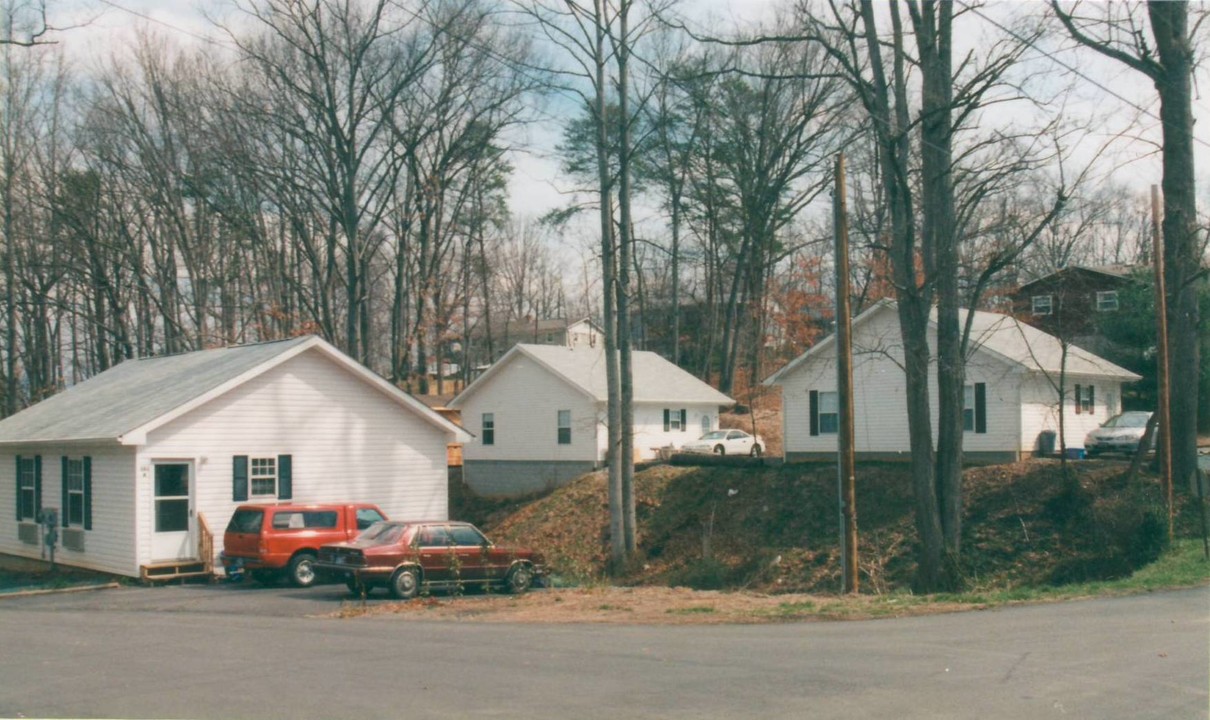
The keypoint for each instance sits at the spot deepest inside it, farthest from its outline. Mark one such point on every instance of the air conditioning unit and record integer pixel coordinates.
(73, 539)
(28, 532)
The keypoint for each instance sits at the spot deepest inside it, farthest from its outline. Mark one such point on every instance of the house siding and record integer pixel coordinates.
(525, 400)
(109, 546)
(649, 435)
(880, 404)
(348, 442)
(1040, 409)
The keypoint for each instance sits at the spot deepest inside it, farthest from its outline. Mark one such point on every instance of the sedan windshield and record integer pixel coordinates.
(1128, 420)
(716, 435)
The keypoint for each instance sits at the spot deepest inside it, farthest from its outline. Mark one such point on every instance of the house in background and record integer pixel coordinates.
(1068, 303)
(539, 416)
(531, 331)
(146, 462)
(1012, 373)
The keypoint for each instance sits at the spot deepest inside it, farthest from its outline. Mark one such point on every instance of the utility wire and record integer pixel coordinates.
(1074, 70)
(170, 26)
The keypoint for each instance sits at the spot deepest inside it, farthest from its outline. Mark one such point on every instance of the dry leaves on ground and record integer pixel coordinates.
(645, 606)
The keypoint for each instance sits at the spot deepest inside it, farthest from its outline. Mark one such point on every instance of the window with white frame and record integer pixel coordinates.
(74, 482)
(707, 423)
(829, 413)
(564, 427)
(487, 431)
(968, 408)
(27, 488)
(262, 477)
(1086, 398)
(1043, 304)
(1107, 300)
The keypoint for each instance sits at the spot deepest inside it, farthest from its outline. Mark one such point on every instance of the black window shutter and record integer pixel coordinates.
(63, 511)
(1092, 399)
(285, 477)
(981, 407)
(1077, 399)
(38, 486)
(239, 478)
(87, 493)
(684, 419)
(667, 419)
(18, 477)
(814, 412)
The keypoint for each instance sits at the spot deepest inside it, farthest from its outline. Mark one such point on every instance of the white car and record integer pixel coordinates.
(727, 442)
(1120, 433)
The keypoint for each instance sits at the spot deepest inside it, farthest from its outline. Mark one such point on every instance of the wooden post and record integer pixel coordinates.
(844, 386)
(1161, 317)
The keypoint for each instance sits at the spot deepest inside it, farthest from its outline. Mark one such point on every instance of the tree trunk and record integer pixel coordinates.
(1169, 24)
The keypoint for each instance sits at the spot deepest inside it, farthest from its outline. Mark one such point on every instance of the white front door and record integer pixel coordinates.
(172, 512)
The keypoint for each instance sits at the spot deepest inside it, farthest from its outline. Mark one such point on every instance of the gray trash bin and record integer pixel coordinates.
(1046, 443)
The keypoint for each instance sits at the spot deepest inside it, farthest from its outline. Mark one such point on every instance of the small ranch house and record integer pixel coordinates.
(145, 462)
(1012, 393)
(539, 415)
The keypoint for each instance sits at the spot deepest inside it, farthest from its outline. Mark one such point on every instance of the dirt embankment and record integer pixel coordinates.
(773, 529)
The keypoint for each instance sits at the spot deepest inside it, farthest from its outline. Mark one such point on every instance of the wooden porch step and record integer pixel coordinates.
(175, 570)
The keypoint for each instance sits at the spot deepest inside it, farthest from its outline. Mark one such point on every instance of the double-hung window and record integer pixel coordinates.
(1085, 399)
(28, 490)
(1043, 304)
(263, 476)
(73, 492)
(676, 420)
(1107, 300)
(974, 408)
(564, 427)
(487, 431)
(825, 412)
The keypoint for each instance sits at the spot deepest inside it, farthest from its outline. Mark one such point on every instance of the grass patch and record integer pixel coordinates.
(694, 610)
(1182, 566)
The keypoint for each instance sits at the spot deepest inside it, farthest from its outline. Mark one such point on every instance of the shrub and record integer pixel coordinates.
(706, 574)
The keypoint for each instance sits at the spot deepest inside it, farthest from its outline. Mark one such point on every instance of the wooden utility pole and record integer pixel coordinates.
(1161, 317)
(844, 386)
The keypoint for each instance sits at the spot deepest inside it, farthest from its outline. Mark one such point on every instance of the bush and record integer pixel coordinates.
(1116, 535)
(707, 574)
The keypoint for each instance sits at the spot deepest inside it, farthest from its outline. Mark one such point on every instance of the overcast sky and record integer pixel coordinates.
(1107, 90)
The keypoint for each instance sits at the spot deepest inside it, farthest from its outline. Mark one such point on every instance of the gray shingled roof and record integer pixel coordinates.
(1002, 335)
(655, 379)
(134, 393)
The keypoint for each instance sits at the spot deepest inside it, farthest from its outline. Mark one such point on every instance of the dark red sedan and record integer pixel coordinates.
(406, 556)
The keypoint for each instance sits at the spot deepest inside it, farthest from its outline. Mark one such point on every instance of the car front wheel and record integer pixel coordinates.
(302, 570)
(405, 584)
(720, 450)
(755, 451)
(519, 580)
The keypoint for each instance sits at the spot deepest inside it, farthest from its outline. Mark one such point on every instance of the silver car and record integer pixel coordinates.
(1120, 433)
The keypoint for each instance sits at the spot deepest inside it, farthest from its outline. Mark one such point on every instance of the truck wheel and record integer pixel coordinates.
(301, 570)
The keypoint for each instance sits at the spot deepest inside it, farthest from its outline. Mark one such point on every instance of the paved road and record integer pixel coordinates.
(225, 652)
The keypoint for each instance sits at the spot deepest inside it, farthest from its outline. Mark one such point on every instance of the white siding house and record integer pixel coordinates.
(135, 458)
(538, 415)
(1013, 374)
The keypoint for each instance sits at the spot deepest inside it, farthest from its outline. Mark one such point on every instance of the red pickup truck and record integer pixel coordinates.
(269, 539)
